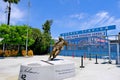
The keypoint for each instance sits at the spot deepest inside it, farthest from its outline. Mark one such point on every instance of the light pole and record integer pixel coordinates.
(27, 25)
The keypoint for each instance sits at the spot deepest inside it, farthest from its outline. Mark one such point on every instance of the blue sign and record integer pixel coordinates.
(111, 27)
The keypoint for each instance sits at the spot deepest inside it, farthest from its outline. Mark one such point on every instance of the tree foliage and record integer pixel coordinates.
(42, 39)
(46, 38)
(47, 26)
(12, 1)
(37, 36)
(16, 35)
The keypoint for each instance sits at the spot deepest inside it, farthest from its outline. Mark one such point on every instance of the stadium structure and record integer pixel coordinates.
(91, 42)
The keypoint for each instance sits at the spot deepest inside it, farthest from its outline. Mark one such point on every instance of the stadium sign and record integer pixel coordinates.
(88, 31)
(99, 34)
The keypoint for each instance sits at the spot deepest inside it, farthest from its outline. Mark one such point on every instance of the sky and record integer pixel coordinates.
(67, 15)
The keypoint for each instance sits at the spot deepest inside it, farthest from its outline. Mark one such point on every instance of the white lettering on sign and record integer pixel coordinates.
(65, 71)
(85, 35)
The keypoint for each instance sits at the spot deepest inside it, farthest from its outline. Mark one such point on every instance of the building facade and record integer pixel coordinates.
(89, 42)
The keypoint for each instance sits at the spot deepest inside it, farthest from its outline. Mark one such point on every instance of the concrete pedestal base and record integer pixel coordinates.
(47, 70)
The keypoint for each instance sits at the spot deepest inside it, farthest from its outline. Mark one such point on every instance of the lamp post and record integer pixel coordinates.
(27, 25)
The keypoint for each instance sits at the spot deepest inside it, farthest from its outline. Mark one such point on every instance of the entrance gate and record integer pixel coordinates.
(114, 48)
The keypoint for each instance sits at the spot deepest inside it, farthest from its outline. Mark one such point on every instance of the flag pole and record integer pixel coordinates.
(28, 26)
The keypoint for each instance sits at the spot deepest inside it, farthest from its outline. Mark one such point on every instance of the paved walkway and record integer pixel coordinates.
(9, 68)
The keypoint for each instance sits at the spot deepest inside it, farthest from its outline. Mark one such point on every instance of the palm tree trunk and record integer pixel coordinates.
(9, 11)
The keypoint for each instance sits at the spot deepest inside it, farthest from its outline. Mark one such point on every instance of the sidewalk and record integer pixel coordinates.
(9, 68)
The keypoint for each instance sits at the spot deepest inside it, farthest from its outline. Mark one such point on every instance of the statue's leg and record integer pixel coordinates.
(53, 57)
(52, 54)
(56, 53)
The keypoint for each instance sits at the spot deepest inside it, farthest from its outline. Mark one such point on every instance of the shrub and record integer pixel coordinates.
(30, 53)
(24, 52)
(14, 52)
(7, 53)
(1, 52)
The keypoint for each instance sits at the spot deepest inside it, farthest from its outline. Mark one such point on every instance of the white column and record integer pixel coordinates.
(109, 51)
(118, 53)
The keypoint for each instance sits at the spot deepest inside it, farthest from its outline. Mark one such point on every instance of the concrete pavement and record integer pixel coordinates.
(10, 66)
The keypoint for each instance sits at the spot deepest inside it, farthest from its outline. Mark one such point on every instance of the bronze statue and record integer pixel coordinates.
(57, 48)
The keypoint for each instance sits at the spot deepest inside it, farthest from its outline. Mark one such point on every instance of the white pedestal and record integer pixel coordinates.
(47, 70)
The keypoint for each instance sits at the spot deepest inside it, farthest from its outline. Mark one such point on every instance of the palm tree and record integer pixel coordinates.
(9, 8)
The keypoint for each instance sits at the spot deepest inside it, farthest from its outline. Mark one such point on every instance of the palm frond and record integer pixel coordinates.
(5, 0)
(12, 1)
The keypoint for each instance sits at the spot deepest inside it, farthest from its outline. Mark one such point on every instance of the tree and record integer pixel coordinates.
(37, 36)
(4, 33)
(21, 36)
(15, 35)
(46, 26)
(9, 8)
(46, 37)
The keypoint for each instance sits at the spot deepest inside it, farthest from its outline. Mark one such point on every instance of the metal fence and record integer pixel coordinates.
(89, 46)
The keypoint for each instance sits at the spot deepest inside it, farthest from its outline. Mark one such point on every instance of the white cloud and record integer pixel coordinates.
(105, 19)
(96, 20)
(78, 16)
(2, 12)
(99, 19)
(17, 14)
